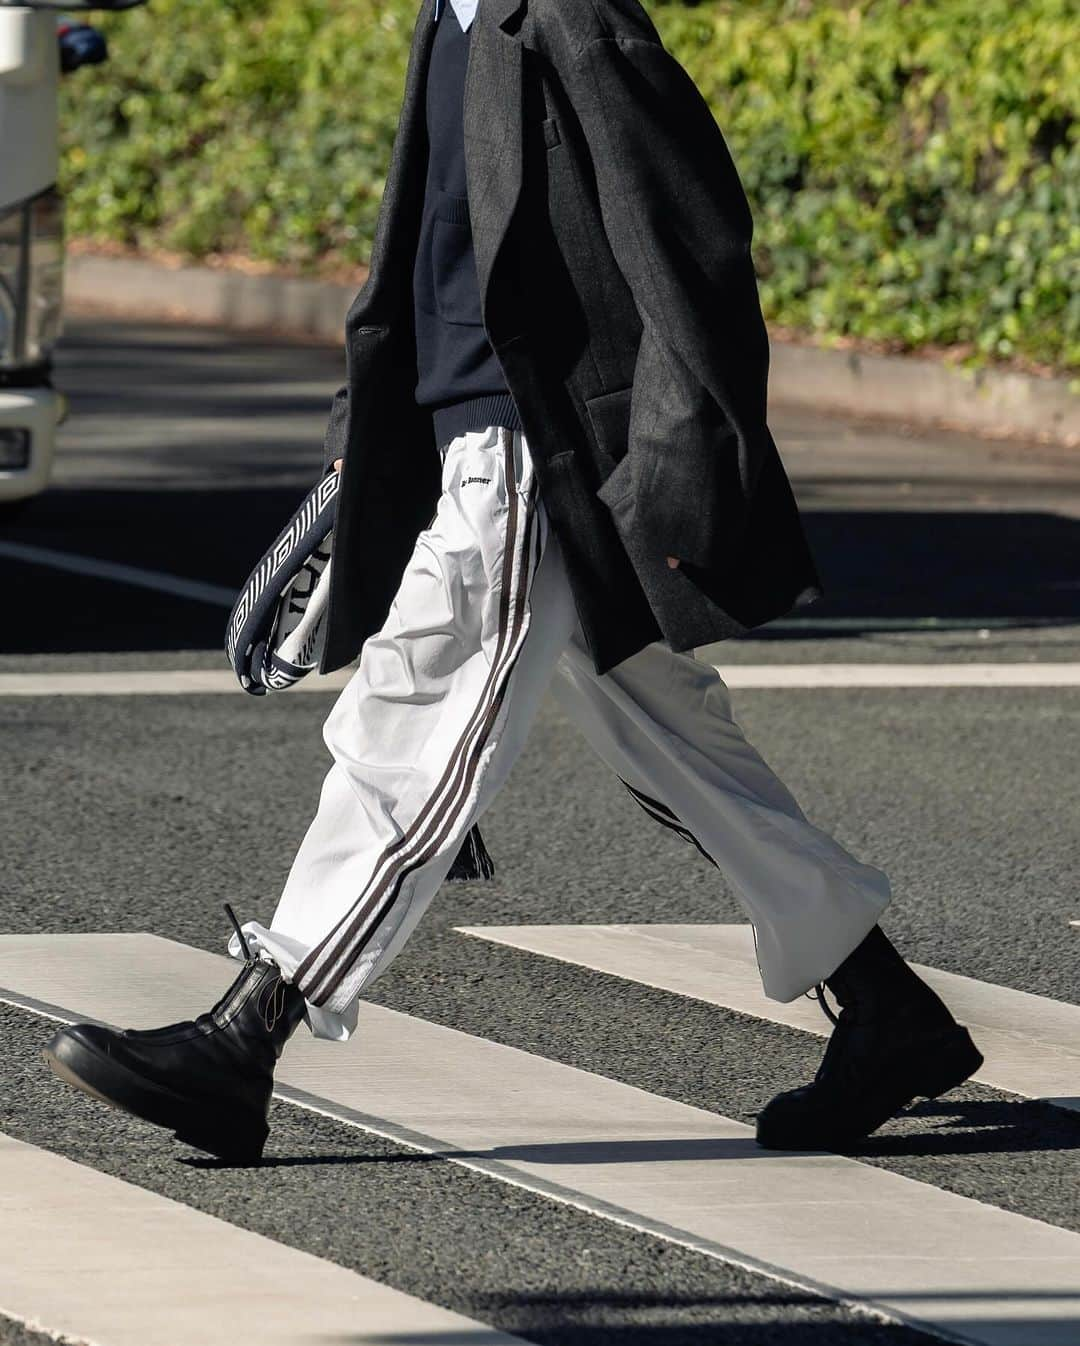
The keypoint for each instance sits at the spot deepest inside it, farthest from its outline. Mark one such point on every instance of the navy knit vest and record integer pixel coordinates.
(459, 376)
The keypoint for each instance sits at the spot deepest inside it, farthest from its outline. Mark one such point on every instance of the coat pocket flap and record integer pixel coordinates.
(617, 486)
(609, 415)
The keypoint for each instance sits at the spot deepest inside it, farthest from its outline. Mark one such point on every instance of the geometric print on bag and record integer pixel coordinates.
(253, 616)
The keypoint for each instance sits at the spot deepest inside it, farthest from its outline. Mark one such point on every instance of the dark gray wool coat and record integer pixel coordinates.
(612, 240)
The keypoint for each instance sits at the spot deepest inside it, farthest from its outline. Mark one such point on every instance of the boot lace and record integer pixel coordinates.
(249, 957)
(272, 1002)
(843, 1067)
(818, 994)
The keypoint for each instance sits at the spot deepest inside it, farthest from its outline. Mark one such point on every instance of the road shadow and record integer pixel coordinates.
(682, 1318)
(554, 1329)
(968, 1127)
(570, 1152)
(212, 535)
(884, 566)
(978, 1126)
(815, 1318)
(879, 567)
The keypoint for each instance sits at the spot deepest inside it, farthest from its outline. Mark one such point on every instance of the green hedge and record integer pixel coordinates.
(913, 165)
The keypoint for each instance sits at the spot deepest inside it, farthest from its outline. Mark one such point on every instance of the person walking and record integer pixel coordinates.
(556, 474)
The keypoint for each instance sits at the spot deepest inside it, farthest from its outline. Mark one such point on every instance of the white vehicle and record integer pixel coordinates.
(31, 237)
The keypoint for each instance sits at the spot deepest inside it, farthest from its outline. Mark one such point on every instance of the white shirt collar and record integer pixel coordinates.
(464, 9)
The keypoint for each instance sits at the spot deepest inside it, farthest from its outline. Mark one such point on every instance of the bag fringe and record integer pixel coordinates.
(472, 863)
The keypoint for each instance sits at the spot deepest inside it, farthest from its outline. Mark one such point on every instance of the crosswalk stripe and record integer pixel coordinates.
(1031, 1044)
(859, 625)
(89, 1257)
(155, 682)
(962, 1269)
(747, 677)
(817, 676)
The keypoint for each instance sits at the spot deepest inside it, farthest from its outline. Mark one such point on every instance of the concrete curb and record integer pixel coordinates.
(202, 294)
(992, 402)
(989, 402)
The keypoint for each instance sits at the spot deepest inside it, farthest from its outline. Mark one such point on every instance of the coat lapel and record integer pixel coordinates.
(393, 248)
(493, 158)
(493, 139)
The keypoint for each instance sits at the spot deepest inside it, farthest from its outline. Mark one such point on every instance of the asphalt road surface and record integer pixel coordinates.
(185, 451)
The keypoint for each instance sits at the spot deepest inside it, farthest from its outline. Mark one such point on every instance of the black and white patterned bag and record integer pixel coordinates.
(275, 630)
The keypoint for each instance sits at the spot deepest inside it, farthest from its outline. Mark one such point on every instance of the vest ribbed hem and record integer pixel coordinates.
(474, 413)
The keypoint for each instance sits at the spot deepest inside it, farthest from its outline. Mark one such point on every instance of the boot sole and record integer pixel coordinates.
(956, 1059)
(232, 1137)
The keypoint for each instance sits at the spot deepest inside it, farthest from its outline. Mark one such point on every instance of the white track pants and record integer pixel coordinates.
(426, 731)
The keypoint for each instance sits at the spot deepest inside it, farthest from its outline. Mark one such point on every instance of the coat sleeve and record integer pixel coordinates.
(679, 226)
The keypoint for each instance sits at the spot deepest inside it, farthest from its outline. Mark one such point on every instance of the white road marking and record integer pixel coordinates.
(803, 676)
(96, 568)
(88, 1257)
(860, 1234)
(868, 623)
(164, 682)
(760, 677)
(1031, 1044)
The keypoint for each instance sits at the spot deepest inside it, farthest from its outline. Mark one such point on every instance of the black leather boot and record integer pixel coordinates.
(209, 1079)
(893, 1041)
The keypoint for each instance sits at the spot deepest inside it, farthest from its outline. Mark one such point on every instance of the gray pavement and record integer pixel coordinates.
(185, 450)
